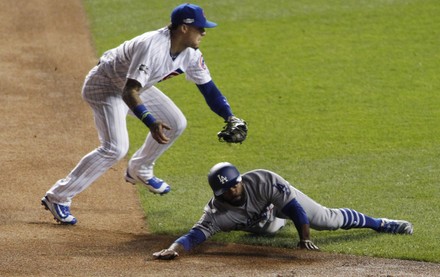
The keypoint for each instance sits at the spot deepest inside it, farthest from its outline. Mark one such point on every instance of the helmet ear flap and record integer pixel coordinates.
(223, 176)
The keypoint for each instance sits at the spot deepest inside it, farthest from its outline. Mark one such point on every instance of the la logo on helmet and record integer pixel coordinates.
(222, 179)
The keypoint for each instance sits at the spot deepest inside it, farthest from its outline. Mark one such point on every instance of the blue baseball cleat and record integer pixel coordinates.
(61, 213)
(154, 184)
(395, 226)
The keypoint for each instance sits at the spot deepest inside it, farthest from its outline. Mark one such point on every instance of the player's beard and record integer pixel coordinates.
(235, 201)
(238, 201)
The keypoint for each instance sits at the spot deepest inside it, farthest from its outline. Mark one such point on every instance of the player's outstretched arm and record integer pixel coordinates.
(186, 242)
(215, 100)
(236, 129)
(169, 253)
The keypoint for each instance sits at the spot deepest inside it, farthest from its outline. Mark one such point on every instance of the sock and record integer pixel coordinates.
(354, 219)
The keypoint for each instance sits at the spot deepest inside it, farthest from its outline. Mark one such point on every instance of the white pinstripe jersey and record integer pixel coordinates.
(146, 59)
(266, 194)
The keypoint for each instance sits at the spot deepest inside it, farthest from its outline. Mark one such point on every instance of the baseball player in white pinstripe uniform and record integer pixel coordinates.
(123, 82)
(260, 201)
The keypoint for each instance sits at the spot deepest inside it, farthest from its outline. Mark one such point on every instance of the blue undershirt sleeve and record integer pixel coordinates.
(215, 100)
(191, 239)
(295, 212)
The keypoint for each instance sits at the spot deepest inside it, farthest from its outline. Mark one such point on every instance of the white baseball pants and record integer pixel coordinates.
(110, 113)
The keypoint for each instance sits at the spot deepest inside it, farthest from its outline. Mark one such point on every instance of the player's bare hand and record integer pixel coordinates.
(166, 254)
(308, 245)
(157, 129)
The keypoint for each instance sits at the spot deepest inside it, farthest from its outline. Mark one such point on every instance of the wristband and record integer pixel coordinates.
(144, 115)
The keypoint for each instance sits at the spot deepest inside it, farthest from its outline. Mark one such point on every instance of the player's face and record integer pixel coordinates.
(194, 36)
(235, 195)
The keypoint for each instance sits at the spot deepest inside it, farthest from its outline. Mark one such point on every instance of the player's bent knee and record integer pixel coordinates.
(181, 126)
(271, 227)
(275, 226)
(120, 154)
(178, 127)
(114, 152)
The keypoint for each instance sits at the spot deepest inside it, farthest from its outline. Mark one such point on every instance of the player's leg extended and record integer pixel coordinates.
(110, 119)
(163, 108)
(322, 218)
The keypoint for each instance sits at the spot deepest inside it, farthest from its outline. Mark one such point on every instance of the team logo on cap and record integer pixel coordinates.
(222, 179)
(188, 20)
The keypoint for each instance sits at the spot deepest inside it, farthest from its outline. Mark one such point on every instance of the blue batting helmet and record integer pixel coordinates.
(223, 176)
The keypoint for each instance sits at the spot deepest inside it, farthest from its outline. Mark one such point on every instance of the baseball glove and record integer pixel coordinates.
(235, 131)
(166, 254)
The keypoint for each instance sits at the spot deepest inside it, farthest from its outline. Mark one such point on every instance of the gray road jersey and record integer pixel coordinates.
(266, 193)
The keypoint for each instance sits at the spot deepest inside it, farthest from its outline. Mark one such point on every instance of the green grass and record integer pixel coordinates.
(342, 99)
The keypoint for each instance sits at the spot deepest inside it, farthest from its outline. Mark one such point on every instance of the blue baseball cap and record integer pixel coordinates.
(222, 177)
(190, 14)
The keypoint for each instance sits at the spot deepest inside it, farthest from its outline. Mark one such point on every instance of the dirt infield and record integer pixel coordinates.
(45, 52)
